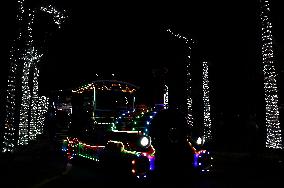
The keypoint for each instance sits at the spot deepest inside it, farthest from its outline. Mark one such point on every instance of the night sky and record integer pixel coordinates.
(130, 40)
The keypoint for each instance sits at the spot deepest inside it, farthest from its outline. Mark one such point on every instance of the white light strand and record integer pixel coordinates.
(34, 104)
(58, 17)
(166, 97)
(42, 110)
(9, 125)
(188, 42)
(273, 131)
(30, 57)
(206, 102)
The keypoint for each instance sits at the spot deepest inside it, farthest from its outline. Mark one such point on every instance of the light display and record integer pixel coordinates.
(166, 97)
(188, 42)
(207, 136)
(9, 126)
(31, 107)
(29, 58)
(107, 85)
(42, 107)
(202, 159)
(57, 16)
(135, 121)
(75, 148)
(273, 131)
(34, 105)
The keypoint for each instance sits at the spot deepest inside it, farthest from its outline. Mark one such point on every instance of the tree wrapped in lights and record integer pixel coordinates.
(273, 131)
(25, 60)
(206, 102)
(188, 42)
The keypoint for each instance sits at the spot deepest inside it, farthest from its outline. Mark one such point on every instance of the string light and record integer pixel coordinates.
(34, 105)
(73, 147)
(273, 131)
(10, 124)
(58, 17)
(166, 97)
(30, 57)
(135, 121)
(206, 104)
(188, 42)
(107, 85)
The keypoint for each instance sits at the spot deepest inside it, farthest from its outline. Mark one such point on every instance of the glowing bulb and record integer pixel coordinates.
(144, 141)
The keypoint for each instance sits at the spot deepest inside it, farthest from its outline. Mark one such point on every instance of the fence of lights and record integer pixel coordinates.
(206, 104)
(273, 137)
(25, 60)
(188, 43)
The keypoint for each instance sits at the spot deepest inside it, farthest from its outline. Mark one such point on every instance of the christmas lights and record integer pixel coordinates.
(34, 105)
(107, 85)
(273, 131)
(136, 121)
(58, 17)
(73, 147)
(30, 57)
(25, 60)
(10, 124)
(188, 76)
(166, 97)
(206, 104)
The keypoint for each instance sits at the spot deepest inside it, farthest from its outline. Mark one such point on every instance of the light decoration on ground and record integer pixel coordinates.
(273, 131)
(202, 159)
(188, 43)
(206, 104)
(25, 60)
(72, 147)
